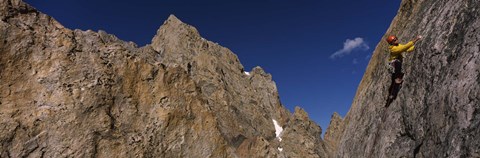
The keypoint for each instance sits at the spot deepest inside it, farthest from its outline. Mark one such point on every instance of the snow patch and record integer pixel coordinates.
(280, 149)
(278, 129)
(247, 73)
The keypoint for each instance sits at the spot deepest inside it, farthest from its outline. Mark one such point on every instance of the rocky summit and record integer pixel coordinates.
(74, 93)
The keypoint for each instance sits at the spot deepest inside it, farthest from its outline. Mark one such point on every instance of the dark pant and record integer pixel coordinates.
(397, 73)
(397, 66)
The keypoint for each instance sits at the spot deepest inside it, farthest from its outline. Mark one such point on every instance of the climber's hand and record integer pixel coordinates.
(417, 39)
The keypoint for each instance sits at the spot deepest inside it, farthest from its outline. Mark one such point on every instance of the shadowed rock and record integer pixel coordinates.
(436, 113)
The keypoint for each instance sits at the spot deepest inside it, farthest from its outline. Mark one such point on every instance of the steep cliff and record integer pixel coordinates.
(73, 93)
(334, 133)
(437, 112)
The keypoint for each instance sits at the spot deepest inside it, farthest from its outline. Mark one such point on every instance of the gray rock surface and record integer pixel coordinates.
(74, 93)
(437, 112)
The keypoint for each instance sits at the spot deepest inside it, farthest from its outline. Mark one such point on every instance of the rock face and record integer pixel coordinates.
(73, 93)
(334, 132)
(437, 112)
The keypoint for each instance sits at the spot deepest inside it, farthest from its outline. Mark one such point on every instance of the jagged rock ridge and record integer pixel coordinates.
(437, 112)
(73, 93)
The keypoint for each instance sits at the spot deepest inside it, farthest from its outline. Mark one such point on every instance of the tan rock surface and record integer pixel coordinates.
(73, 93)
(334, 133)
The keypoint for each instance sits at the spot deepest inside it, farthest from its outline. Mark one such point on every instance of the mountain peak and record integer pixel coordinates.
(334, 132)
(173, 18)
(172, 33)
(183, 96)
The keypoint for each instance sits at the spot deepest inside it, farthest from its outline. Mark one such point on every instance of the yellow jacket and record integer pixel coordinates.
(396, 51)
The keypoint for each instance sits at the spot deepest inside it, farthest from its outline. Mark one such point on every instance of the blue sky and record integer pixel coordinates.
(316, 50)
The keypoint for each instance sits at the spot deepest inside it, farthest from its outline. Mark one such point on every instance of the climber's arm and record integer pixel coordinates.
(414, 41)
(410, 49)
(402, 48)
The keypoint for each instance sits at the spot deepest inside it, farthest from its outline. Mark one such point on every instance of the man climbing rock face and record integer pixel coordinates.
(395, 62)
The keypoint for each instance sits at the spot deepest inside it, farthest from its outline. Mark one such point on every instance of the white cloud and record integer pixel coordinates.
(349, 45)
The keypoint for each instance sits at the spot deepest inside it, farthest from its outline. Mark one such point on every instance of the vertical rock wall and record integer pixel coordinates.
(437, 112)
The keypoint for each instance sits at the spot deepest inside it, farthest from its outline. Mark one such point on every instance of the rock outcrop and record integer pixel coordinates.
(334, 132)
(437, 112)
(74, 93)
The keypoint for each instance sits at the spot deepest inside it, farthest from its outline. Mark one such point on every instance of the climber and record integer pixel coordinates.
(395, 62)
